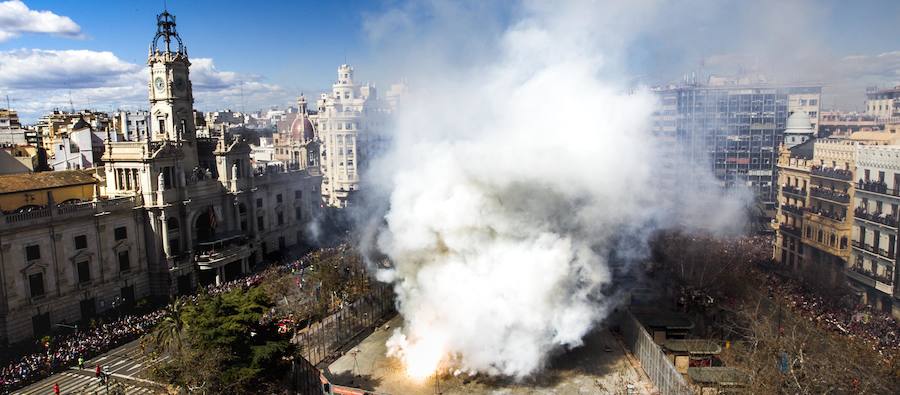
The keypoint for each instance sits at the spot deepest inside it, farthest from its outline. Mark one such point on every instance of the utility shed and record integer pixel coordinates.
(684, 353)
(718, 380)
(664, 324)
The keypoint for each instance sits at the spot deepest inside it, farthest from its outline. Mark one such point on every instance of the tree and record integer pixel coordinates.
(167, 336)
(784, 353)
(228, 346)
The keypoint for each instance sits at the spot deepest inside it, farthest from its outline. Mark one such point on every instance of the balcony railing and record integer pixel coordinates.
(828, 194)
(834, 215)
(889, 255)
(877, 187)
(830, 172)
(882, 278)
(881, 218)
(67, 210)
(792, 209)
(793, 190)
(790, 229)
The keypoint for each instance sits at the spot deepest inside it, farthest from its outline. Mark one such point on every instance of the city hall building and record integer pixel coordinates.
(166, 214)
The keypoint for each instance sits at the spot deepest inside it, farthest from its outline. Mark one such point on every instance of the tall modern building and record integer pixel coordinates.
(734, 127)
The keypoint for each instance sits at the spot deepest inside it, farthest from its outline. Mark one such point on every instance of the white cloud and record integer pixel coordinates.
(40, 80)
(70, 69)
(16, 18)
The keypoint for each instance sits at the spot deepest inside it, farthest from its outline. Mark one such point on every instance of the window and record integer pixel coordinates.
(259, 223)
(298, 194)
(124, 261)
(298, 213)
(36, 284)
(33, 252)
(280, 218)
(121, 233)
(278, 198)
(259, 203)
(80, 242)
(84, 272)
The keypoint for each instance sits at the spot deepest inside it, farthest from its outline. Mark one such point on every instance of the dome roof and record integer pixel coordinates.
(799, 123)
(302, 129)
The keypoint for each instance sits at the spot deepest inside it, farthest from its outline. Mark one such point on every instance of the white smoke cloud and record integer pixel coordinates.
(519, 183)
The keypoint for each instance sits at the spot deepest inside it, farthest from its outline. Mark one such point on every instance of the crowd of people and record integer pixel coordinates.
(876, 327)
(65, 350)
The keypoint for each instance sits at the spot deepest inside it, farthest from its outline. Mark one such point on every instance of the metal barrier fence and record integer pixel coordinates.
(321, 339)
(653, 360)
(305, 378)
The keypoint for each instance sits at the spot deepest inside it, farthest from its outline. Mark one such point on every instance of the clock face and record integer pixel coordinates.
(159, 84)
(179, 84)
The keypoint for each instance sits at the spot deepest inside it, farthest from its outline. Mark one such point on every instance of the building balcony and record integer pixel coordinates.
(832, 215)
(793, 191)
(791, 230)
(830, 195)
(876, 252)
(889, 221)
(46, 215)
(792, 209)
(832, 173)
(880, 282)
(878, 187)
(220, 250)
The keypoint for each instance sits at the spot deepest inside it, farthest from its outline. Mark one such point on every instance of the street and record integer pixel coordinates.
(126, 365)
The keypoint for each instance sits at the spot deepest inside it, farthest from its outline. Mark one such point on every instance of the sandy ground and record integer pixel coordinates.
(589, 369)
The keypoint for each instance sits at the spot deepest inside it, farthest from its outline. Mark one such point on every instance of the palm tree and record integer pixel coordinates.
(167, 334)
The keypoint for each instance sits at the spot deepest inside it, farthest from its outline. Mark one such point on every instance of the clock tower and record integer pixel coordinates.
(171, 97)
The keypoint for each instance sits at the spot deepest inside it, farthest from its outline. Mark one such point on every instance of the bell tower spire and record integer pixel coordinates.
(171, 94)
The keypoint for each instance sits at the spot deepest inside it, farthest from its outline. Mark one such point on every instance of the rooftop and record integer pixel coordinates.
(12, 183)
(693, 346)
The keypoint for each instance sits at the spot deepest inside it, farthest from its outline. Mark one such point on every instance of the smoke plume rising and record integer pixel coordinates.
(521, 183)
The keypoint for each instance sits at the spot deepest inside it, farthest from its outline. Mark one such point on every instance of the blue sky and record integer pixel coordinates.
(297, 42)
(94, 51)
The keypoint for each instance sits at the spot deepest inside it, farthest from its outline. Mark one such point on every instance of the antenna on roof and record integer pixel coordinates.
(7, 102)
(242, 96)
(71, 105)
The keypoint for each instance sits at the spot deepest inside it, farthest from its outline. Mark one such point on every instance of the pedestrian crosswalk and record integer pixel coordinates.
(76, 382)
(127, 367)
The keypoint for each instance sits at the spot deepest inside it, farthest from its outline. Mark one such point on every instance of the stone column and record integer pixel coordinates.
(220, 275)
(164, 226)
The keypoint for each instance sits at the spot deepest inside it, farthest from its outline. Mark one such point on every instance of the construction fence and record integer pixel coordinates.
(319, 340)
(653, 359)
